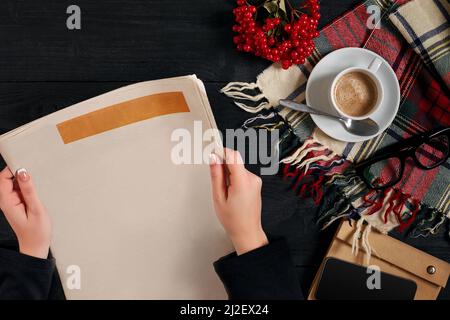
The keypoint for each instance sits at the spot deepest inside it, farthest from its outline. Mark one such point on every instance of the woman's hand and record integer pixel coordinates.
(237, 200)
(25, 213)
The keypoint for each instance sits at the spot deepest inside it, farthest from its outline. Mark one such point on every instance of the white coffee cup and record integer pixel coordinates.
(371, 72)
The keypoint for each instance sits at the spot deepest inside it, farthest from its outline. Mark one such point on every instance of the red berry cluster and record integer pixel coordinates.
(274, 39)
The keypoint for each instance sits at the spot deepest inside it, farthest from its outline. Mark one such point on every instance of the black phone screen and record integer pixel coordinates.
(342, 280)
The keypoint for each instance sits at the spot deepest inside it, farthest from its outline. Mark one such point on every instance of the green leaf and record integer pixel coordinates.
(283, 6)
(276, 6)
(271, 7)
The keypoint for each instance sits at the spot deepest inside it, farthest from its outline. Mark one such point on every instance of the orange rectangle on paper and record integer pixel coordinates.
(122, 114)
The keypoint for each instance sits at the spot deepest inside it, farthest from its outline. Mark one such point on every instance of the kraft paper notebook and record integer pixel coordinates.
(137, 225)
(392, 257)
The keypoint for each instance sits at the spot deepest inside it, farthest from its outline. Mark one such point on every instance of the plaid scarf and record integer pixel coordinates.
(429, 35)
(316, 165)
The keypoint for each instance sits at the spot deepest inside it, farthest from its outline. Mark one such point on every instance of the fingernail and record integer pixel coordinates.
(213, 159)
(23, 175)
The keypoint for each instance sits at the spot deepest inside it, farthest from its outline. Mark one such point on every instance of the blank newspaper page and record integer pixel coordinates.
(131, 222)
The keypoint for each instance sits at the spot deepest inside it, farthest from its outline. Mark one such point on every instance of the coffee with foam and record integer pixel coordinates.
(356, 94)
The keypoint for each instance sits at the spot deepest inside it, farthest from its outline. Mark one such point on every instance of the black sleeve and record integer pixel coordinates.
(267, 273)
(23, 277)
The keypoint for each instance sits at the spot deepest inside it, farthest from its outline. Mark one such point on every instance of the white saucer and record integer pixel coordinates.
(319, 82)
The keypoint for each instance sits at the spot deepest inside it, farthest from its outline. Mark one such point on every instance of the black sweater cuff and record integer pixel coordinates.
(24, 277)
(265, 273)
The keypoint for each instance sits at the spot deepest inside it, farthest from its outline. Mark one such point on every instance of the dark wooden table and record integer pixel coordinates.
(45, 67)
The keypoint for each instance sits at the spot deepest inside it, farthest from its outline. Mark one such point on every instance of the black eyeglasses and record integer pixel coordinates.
(384, 170)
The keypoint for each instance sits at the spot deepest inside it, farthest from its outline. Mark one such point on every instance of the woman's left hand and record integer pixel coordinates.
(25, 213)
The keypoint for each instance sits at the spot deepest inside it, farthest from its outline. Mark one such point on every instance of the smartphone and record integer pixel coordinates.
(341, 280)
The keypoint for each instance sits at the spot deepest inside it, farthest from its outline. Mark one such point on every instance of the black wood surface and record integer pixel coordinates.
(45, 67)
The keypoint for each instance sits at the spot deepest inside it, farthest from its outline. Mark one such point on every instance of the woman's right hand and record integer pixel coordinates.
(238, 203)
(25, 213)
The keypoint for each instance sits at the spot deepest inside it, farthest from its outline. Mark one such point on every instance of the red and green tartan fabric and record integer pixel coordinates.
(421, 202)
(428, 35)
(424, 105)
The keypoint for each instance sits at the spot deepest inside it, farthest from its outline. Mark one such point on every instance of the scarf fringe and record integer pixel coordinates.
(241, 91)
(363, 237)
(238, 86)
(356, 237)
(312, 189)
(348, 200)
(395, 203)
(299, 157)
(347, 195)
(430, 225)
(368, 249)
(343, 214)
(253, 109)
(248, 122)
